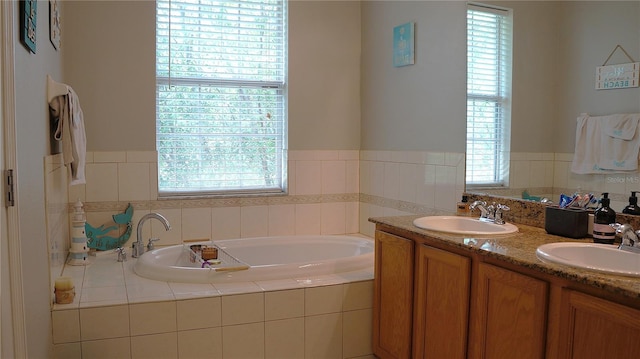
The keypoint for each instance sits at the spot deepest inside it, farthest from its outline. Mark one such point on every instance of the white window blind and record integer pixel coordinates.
(489, 53)
(221, 96)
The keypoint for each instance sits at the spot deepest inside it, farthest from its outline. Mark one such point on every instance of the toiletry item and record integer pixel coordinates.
(632, 208)
(603, 216)
(64, 290)
(462, 208)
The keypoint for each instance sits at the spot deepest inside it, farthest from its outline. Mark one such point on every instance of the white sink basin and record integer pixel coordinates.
(604, 258)
(463, 225)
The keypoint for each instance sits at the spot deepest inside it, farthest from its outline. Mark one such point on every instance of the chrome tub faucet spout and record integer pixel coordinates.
(138, 245)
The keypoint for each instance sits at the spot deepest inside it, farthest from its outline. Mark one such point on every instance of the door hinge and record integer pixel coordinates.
(10, 188)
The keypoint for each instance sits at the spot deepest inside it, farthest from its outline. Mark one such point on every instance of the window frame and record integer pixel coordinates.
(500, 99)
(279, 87)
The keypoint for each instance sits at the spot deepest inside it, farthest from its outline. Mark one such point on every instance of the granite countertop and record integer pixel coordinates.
(520, 249)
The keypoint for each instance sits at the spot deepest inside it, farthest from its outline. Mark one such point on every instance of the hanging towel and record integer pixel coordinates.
(71, 132)
(585, 155)
(606, 144)
(620, 142)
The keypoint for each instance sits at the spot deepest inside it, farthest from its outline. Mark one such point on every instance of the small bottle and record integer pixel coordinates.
(603, 216)
(632, 208)
(462, 208)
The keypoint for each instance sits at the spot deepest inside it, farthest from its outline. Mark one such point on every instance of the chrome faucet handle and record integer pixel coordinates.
(122, 254)
(484, 213)
(500, 209)
(150, 245)
(627, 234)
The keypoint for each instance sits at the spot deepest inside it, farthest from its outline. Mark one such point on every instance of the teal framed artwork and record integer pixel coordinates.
(28, 20)
(403, 45)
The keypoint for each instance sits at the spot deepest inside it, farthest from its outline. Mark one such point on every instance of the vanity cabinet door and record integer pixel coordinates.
(441, 306)
(597, 328)
(393, 296)
(508, 318)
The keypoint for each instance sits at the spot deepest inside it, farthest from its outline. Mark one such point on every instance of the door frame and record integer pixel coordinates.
(10, 233)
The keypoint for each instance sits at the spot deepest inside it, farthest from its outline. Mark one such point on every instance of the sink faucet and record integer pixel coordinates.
(138, 245)
(630, 241)
(491, 213)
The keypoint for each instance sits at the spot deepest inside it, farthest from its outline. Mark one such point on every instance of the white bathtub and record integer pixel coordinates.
(269, 258)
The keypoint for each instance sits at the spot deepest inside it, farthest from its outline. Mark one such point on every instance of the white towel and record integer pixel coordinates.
(71, 131)
(620, 142)
(606, 144)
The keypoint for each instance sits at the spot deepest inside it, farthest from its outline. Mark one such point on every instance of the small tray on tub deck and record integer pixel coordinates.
(210, 256)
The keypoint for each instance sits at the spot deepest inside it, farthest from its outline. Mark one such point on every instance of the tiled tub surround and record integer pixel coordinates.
(117, 314)
(330, 192)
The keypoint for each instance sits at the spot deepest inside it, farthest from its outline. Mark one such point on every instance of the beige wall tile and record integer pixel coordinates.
(109, 156)
(308, 218)
(163, 346)
(200, 343)
(284, 304)
(254, 221)
(284, 339)
(107, 348)
(196, 223)
(282, 220)
(323, 336)
(225, 222)
(308, 177)
(142, 156)
(242, 308)
(133, 182)
(66, 326)
(199, 313)
(358, 295)
(104, 322)
(334, 177)
(102, 182)
(67, 351)
(152, 318)
(333, 218)
(243, 341)
(324, 299)
(357, 329)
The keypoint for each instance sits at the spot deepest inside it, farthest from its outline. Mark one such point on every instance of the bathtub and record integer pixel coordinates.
(268, 258)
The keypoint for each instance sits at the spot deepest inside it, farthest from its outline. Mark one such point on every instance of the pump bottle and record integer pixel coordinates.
(632, 208)
(603, 216)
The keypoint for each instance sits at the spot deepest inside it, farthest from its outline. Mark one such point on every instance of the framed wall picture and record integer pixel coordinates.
(403, 45)
(54, 23)
(28, 21)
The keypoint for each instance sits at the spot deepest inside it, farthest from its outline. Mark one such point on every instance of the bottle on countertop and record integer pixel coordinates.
(632, 208)
(462, 207)
(603, 216)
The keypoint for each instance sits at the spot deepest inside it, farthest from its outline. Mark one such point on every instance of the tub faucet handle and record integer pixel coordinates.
(150, 245)
(122, 254)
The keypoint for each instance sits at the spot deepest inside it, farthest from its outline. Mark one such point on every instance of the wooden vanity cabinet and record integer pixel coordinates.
(441, 304)
(508, 314)
(592, 327)
(393, 296)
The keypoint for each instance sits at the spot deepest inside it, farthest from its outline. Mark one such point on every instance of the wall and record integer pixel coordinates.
(32, 129)
(113, 69)
(419, 107)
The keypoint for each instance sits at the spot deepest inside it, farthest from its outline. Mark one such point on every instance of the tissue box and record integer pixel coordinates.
(566, 222)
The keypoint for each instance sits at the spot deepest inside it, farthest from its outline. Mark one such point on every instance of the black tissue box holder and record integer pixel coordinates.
(566, 222)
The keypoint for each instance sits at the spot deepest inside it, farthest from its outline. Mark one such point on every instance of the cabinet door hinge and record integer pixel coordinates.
(10, 188)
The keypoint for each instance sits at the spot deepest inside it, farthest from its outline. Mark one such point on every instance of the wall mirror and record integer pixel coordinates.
(557, 48)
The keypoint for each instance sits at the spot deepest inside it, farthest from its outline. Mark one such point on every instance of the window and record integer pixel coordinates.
(221, 97)
(489, 48)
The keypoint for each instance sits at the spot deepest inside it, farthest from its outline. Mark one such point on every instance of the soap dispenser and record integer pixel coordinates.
(603, 216)
(632, 208)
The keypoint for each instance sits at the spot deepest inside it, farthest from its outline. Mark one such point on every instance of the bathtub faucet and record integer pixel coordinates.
(138, 245)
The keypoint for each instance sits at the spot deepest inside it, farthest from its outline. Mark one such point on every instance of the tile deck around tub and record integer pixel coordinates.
(106, 282)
